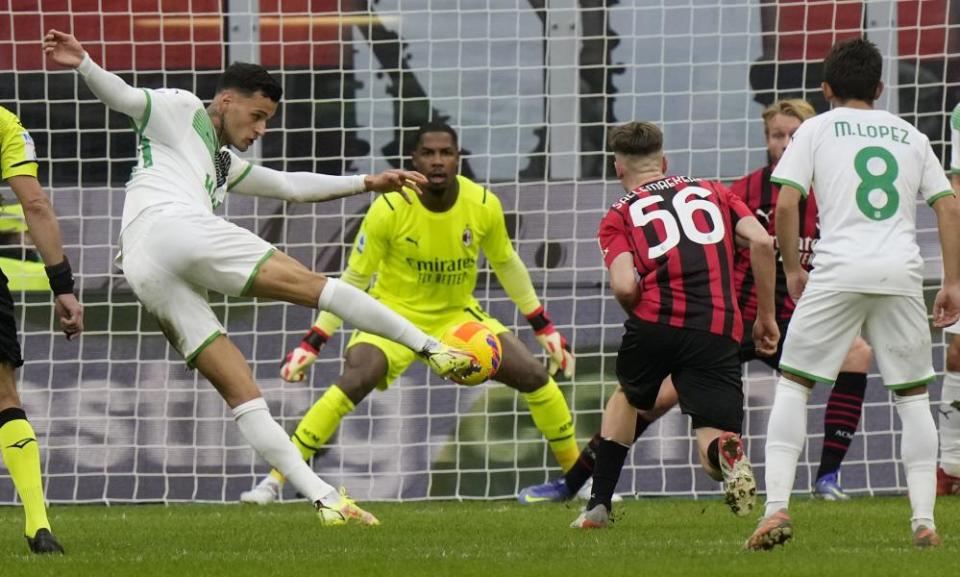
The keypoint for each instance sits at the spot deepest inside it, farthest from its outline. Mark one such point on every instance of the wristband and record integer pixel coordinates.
(539, 320)
(315, 339)
(61, 277)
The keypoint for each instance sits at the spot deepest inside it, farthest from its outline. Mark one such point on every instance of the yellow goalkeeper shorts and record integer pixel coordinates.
(399, 357)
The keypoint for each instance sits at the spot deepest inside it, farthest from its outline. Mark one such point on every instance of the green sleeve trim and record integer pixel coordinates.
(938, 196)
(785, 369)
(784, 181)
(911, 384)
(192, 357)
(146, 114)
(243, 175)
(954, 171)
(256, 271)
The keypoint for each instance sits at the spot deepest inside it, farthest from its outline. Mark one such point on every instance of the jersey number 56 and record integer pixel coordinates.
(686, 203)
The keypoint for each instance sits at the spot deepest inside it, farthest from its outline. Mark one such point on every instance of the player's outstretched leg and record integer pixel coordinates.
(365, 365)
(577, 481)
(283, 278)
(224, 366)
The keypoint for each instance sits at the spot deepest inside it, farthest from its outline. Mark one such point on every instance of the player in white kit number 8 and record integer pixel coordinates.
(867, 167)
(174, 248)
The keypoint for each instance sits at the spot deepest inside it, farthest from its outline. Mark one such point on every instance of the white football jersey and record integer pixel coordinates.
(179, 160)
(866, 167)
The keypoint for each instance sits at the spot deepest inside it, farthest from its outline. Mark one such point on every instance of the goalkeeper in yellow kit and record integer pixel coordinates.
(425, 257)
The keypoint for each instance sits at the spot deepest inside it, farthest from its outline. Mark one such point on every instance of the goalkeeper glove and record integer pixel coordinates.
(299, 359)
(561, 357)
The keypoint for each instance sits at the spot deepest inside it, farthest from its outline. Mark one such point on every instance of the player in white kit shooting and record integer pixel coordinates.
(867, 167)
(174, 248)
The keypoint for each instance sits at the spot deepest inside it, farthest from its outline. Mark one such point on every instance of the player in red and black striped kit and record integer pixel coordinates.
(669, 245)
(846, 400)
(845, 404)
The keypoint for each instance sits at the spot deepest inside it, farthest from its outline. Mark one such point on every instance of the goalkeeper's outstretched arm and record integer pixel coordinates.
(515, 279)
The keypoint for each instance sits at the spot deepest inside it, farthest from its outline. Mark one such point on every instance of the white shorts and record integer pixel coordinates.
(172, 254)
(826, 322)
(953, 329)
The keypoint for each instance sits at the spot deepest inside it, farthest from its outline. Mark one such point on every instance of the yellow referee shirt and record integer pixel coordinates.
(17, 153)
(426, 262)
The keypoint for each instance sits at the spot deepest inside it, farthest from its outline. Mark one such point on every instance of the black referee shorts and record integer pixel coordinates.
(705, 368)
(9, 345)
(748, 349)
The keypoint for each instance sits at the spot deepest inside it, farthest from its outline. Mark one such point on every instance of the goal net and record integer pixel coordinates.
(531, 86)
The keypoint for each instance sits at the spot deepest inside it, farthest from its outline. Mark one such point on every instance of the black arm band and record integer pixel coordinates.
(61, 277)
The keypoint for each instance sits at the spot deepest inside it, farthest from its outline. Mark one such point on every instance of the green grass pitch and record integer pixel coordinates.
(650, 537)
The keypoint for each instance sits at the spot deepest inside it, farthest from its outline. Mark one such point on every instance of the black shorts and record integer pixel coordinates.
(705, 368)
(9, 345)
(748, 350)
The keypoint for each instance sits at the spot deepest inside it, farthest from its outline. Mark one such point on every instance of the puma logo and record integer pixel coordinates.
(763, 217)
(22, 443)
(412, 241)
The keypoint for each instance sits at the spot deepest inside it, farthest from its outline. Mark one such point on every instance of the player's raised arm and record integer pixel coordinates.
(65, 50)
(515, 279)
(313, 187)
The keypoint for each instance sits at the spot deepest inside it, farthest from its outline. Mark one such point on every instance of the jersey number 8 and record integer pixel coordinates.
(685, 209)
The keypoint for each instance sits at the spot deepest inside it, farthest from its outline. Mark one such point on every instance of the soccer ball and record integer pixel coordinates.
(478, 340)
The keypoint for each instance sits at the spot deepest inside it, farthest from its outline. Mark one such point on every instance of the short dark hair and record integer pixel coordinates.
(853, 68)
(249, 79)
(635, 139)
(435, 126)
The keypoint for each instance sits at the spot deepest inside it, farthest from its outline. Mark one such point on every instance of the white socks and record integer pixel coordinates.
(370, 315)
(786, 433)
(918, 451)
(269, 440)
(950, 425)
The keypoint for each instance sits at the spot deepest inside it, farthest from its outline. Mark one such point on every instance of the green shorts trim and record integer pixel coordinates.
(785, 369)
(910, 385)
(256, 271)
(206, 343)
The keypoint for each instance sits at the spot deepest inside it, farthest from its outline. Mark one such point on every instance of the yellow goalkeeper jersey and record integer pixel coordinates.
(18, 156)
(426, 262)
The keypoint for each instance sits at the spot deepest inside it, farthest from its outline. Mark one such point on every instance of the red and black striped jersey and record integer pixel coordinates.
(760, 196)
(680, 233)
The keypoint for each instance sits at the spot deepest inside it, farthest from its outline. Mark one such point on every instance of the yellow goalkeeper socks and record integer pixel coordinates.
(552, 416)
(21, 455)
(319, 424)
